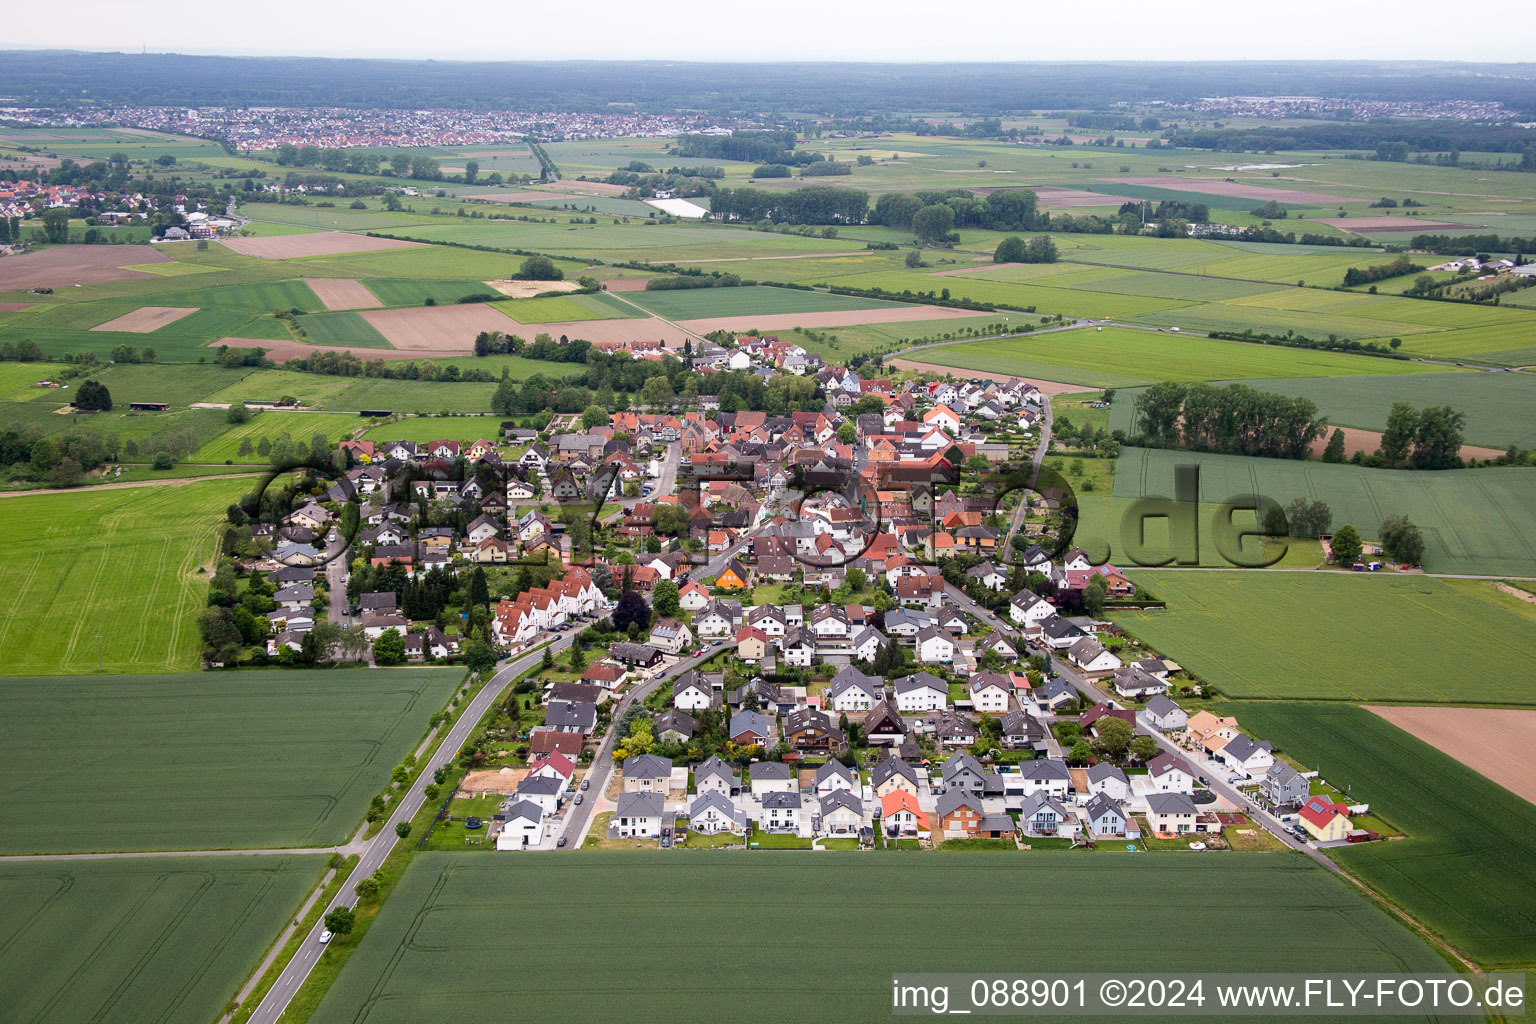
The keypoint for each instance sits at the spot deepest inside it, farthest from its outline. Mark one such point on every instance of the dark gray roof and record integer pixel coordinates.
(781, 800)
(768, 771)
(647, 766)
(892, 766)
(953, 798)
(1170, 803)
(638, 805)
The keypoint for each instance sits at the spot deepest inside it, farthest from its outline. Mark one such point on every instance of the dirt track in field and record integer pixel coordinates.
(319, 243)
(626, 284)
(1494, 742)
(65, 265)
(146, 319)
(1047, 387)
(1359, 224)
(341, 293)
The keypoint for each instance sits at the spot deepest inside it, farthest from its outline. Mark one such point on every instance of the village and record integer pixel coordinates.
(811, 631)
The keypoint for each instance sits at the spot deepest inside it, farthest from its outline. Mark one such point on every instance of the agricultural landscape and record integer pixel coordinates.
(311, 591)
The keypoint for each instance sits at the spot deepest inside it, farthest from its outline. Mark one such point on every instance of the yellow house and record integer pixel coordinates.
(1324, 820)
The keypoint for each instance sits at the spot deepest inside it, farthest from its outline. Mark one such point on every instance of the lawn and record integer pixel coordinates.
(123, 565)
(1497, 405)
(1466, 869)
(1115, 357)
(1479, 521)
(418, 959)
(1338, 636)
(164, 939)
(203, 760)
(420, 396)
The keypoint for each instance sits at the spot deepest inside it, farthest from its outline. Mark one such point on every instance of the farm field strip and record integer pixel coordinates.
(283, 760)
(1256, 634)
(121, 564)
(1479, 521)
(437, 937)
(1465, 868)
(111, 940)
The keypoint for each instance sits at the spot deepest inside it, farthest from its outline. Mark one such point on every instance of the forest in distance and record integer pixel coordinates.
(67, 78)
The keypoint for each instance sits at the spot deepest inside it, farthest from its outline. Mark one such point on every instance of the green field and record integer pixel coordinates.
(167, 939)
(699, 303)
(121, 564)
(1118, 356)
(1465, 869)
(1342, 636)
(1480, 521)
(443, 933)
(557, 308)
(301, 426)
(342, 328)
(205, 761)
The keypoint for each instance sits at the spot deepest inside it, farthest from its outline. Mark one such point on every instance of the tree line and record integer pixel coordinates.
(1234, 419)
(815, 204)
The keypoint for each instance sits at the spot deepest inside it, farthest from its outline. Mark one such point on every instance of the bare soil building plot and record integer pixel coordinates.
(146, 319)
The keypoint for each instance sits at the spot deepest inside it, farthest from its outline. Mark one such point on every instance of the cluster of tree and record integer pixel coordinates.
(1165, 210)
(1380, 272)
(60, 460)
(1419, 135)
(1007, 209)
(24, 351)
(771, 171)
(646, 181)
(92, 396)
(1233, 419)
(539, 268)
(1013, 249)
(345, 364)
(1302, 519)
(338, 160)
(682, 282)
(815, 204)
(1430, 438)
(1401, 540)
(770, 147)
(826, 168)
(1471, 245)
(10, 229)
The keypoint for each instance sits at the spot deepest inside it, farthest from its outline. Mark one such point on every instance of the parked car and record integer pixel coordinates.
(586, 783)
(560, 842)
(579, 798)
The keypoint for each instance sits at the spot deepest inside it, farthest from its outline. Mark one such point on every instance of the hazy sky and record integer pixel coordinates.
(800, 30)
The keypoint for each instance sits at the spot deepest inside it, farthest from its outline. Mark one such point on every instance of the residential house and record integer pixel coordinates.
(1164, 715)
(765, 777)
(834, 775)
(1242, 754)
(713, 775)
(841, 813)
(712, 813)
(1043, 815)
(672, 726)
(919, 692)
(637, 815)
(1325, 820)
(934, 647)
(901, 816)
(646, 773)
(852, 690)
(671, 636)
(991, 692)
(893, 774)
(1171, 814)
(959, 813)
(543, 790)
(883, 725)
(1111, 781)
(1058, 634)
(752, 644)
(965, 773)
(1104, 818)
(1046, 775)
(988, 575)
(1134, 683)
(1023, 731)
(782, 812)
(1284, 785)
(522, 827)
(1092, 657)
(1170, 774)
(807, 729)
(692, 693)
(752, 729)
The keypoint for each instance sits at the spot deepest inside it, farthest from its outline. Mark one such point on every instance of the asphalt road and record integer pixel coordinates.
(376, 849)
(1034, 475)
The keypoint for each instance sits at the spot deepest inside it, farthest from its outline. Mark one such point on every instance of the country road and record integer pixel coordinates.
(375, 850)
